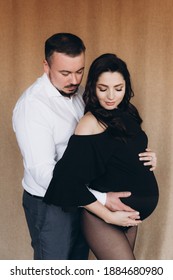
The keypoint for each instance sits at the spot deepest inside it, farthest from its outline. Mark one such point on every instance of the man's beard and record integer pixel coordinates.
(68, 94)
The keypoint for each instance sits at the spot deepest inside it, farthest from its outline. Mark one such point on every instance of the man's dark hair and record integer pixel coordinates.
(65, 43)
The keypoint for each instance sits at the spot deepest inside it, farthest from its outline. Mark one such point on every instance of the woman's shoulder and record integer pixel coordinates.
(88, 125)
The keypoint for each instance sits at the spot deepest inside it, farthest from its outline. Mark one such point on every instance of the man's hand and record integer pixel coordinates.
(114, 203)
(149, 158)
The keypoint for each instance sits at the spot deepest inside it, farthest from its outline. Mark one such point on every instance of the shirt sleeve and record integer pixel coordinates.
(80, 164)
(34, 137)
(101, 197)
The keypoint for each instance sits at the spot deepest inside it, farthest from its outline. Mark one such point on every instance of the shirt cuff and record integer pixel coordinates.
(101, 197)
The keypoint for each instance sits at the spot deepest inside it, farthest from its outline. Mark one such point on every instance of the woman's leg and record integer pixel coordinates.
(107, 241)
(131, 236)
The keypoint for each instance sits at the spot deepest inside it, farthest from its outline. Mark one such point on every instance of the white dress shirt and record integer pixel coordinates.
(43, 121)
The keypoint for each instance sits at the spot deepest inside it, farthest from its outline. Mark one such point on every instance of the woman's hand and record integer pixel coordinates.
(123, 218)
(119, 218)
(150, 158)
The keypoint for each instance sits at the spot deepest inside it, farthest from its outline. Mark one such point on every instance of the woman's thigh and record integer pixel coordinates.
(107, 241)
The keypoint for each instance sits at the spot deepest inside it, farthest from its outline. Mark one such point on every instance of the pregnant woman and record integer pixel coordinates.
(103, 155)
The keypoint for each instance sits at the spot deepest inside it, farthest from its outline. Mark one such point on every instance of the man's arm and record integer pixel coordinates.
(35, 141)
(112, 200)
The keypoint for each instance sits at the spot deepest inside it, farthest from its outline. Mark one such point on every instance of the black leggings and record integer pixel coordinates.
(108, 242)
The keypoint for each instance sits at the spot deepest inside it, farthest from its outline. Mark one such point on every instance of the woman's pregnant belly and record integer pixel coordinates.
(144, 192)
(142, 185)
(144, 204)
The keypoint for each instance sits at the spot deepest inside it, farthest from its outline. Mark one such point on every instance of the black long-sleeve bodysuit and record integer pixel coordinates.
(105, 164)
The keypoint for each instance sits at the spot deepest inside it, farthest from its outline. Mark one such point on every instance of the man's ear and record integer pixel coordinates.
(46, 66)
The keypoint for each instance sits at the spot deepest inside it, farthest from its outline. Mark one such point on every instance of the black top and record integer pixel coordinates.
(105, 163)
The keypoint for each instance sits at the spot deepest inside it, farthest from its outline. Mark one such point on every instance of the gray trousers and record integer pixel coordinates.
(55, 234)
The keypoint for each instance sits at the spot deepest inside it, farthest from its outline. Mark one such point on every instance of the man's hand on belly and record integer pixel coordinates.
(114, 203)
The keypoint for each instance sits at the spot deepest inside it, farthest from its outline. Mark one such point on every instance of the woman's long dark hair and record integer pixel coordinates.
(109, 63)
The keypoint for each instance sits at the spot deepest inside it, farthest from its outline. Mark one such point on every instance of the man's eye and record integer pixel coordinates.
(80, 72)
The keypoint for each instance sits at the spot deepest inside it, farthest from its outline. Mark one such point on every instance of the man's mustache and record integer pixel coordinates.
(72, 85)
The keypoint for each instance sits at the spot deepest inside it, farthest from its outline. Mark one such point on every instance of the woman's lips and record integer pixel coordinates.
(110, 103)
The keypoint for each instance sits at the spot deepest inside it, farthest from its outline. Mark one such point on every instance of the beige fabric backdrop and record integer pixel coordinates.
(139, 31)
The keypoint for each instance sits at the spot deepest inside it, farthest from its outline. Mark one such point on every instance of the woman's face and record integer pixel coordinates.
(110, 89)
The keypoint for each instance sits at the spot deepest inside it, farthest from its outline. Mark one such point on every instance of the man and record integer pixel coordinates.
(44, 118)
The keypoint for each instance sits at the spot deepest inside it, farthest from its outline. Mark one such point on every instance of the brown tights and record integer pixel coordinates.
(108, 242)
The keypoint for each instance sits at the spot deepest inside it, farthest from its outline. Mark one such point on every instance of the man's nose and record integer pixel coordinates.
(74, 79)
